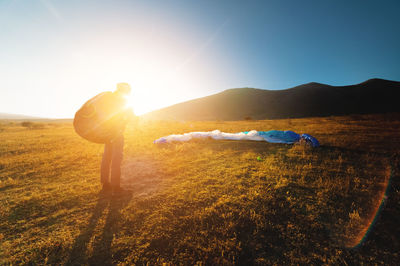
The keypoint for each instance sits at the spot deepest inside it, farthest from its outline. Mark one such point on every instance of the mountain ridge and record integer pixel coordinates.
(306, 100)
(9, 116)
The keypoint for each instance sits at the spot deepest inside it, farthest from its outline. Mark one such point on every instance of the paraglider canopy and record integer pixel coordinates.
(273, 136)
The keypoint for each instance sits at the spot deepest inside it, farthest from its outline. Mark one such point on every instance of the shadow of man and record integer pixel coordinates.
(101, 254)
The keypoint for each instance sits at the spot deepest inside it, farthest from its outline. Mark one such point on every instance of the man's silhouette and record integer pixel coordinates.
(114, 105)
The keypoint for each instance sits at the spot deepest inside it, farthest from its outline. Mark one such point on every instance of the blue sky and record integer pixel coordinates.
(54, 55)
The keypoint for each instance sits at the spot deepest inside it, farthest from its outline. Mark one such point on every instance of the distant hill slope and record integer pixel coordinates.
(16, 116)
(308, 100)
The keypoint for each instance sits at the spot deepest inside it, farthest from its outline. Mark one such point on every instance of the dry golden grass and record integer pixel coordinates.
(205, 201)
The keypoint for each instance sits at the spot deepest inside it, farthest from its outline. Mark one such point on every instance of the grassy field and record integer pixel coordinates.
(204, 201)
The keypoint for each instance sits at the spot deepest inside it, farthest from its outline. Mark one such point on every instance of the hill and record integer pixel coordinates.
(307, 100)
(16, 116)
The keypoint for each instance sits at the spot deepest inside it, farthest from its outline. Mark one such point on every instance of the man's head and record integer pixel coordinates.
(123, 88)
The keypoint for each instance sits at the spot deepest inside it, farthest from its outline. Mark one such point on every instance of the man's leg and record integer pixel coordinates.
(117, 154)
(105, 164)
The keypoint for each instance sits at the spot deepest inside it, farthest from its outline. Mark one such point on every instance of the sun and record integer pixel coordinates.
(149, 97)
(129, 104)
(139, 104)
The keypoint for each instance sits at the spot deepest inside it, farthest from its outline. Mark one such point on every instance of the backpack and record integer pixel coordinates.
(93, 123)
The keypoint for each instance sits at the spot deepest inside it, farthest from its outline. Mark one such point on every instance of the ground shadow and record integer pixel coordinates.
(101, 246)
(6, 187)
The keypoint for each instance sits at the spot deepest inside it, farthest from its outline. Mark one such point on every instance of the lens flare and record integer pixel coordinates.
(376, 210)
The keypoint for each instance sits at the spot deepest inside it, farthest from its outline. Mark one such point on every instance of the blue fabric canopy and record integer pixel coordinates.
(273, 136)
(277, 136)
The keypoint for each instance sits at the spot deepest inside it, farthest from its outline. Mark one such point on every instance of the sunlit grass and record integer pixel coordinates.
(202, 201)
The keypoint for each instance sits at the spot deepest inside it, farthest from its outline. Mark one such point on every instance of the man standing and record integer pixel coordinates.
(118, 116)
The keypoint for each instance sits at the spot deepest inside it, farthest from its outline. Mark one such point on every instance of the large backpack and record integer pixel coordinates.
(93, 123)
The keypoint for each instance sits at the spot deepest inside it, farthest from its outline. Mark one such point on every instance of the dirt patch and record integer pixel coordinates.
(140, 175)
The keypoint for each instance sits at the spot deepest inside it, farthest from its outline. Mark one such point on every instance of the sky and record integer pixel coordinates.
(55, 54)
